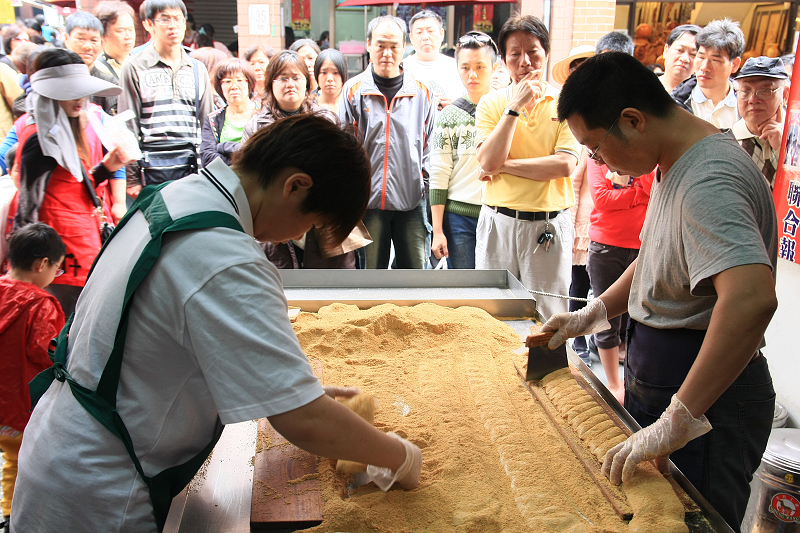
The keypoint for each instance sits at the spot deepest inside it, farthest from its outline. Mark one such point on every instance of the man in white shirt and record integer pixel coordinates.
(710, 94)
(436, 70)
(203, 340)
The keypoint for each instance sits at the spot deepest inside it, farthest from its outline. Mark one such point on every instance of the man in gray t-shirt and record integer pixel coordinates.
(701, 293)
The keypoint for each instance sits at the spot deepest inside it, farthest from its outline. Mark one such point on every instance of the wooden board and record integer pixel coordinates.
(287, 494)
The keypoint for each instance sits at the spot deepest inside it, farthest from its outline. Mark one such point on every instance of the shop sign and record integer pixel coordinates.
(258, 15)
(482, 18)
(787, 180)
(301, 15)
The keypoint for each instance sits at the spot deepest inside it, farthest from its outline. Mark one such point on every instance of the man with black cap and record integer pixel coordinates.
(763, 93)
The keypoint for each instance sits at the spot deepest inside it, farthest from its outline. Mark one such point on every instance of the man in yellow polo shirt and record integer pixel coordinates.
(527, 156)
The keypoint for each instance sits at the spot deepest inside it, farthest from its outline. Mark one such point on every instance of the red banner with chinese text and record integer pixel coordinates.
(301, 15)
(482, 18)
(787, 180)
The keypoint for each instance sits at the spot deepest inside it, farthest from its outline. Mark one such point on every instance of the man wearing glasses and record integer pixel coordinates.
(763, 93)
(701, 292)
(527, 156)
(170, 95)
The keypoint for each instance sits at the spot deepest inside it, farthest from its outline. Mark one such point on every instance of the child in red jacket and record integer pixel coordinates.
(29, 318)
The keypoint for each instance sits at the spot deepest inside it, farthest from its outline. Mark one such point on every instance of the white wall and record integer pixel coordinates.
(783, 346)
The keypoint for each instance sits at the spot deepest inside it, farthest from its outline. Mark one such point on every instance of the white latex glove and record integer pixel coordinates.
(342, 392)
(408, 473)
(672, 431)
(591, 319)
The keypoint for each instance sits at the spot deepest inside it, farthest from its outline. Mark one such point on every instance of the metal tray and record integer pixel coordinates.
(220, 500)
(495, 291)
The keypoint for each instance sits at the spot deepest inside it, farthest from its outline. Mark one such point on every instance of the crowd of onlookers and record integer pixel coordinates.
(470, 166)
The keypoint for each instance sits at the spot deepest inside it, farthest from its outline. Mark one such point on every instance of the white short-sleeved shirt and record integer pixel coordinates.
(208, 337)
(440, 75)
(723, 115)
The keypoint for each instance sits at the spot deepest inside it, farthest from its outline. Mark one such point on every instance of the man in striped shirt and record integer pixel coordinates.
(170, 95)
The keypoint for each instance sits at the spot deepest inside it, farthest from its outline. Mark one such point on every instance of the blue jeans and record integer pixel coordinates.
(459, 230)
(721, 463)
(407, 230)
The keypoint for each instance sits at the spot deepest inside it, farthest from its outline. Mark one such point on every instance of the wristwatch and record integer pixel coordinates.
(509, 111)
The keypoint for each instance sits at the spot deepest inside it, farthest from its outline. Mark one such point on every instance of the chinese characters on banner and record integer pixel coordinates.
(301, 15)
(787, 181)
(482, 18)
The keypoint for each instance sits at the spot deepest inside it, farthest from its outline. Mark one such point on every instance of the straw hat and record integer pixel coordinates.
(70, 82)
(561, 68)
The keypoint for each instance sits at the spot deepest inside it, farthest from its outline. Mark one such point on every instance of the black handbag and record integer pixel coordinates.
(106, 228)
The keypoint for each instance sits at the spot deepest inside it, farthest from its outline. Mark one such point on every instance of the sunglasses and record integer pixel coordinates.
(480, 37)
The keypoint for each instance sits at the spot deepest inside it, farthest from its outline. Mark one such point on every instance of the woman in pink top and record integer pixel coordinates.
(620, 204)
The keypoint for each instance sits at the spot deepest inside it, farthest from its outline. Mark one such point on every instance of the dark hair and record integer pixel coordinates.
(11, 157)
(56, 57)
(476, 44)
(425, 14)
(526, 24)
(377, 21)
(229, 67)
(332, 156)
(324, 35)
(34, 25)
(190, 21)
(336, 58)
(723, 35)
(12, 32)
(36, 38)
(83, 20)
(676, 33)
(251, 50)
(153, 7)
(204, 40)
(276, 65)
(300, 43)
(32, 242)
(614, 41)
(606, 84)
(108, 11)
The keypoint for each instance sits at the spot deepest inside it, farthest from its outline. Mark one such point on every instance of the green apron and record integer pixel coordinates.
(101, 404)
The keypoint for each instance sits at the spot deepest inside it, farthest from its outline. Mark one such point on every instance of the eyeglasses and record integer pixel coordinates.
(593, 153)
(59, 272)
(283, 80)
(761, 94)
(166, 21)
(480, 37)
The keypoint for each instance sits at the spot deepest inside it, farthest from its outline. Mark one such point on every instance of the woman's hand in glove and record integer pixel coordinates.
(591, 319)
(672, 431)
(408, 473)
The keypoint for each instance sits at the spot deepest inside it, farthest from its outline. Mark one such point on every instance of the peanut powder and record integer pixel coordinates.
(445, 380)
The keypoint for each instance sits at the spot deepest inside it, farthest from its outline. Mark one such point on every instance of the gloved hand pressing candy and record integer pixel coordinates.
(590, 319)
(408, 473)
(672, 431)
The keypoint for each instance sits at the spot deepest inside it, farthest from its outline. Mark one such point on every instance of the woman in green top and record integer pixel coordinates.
(235, 81)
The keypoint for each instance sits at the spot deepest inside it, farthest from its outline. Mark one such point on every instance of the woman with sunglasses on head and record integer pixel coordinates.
(287, 89)
(455, 191)
(235, 82)
(330, 71)
(60, 170)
